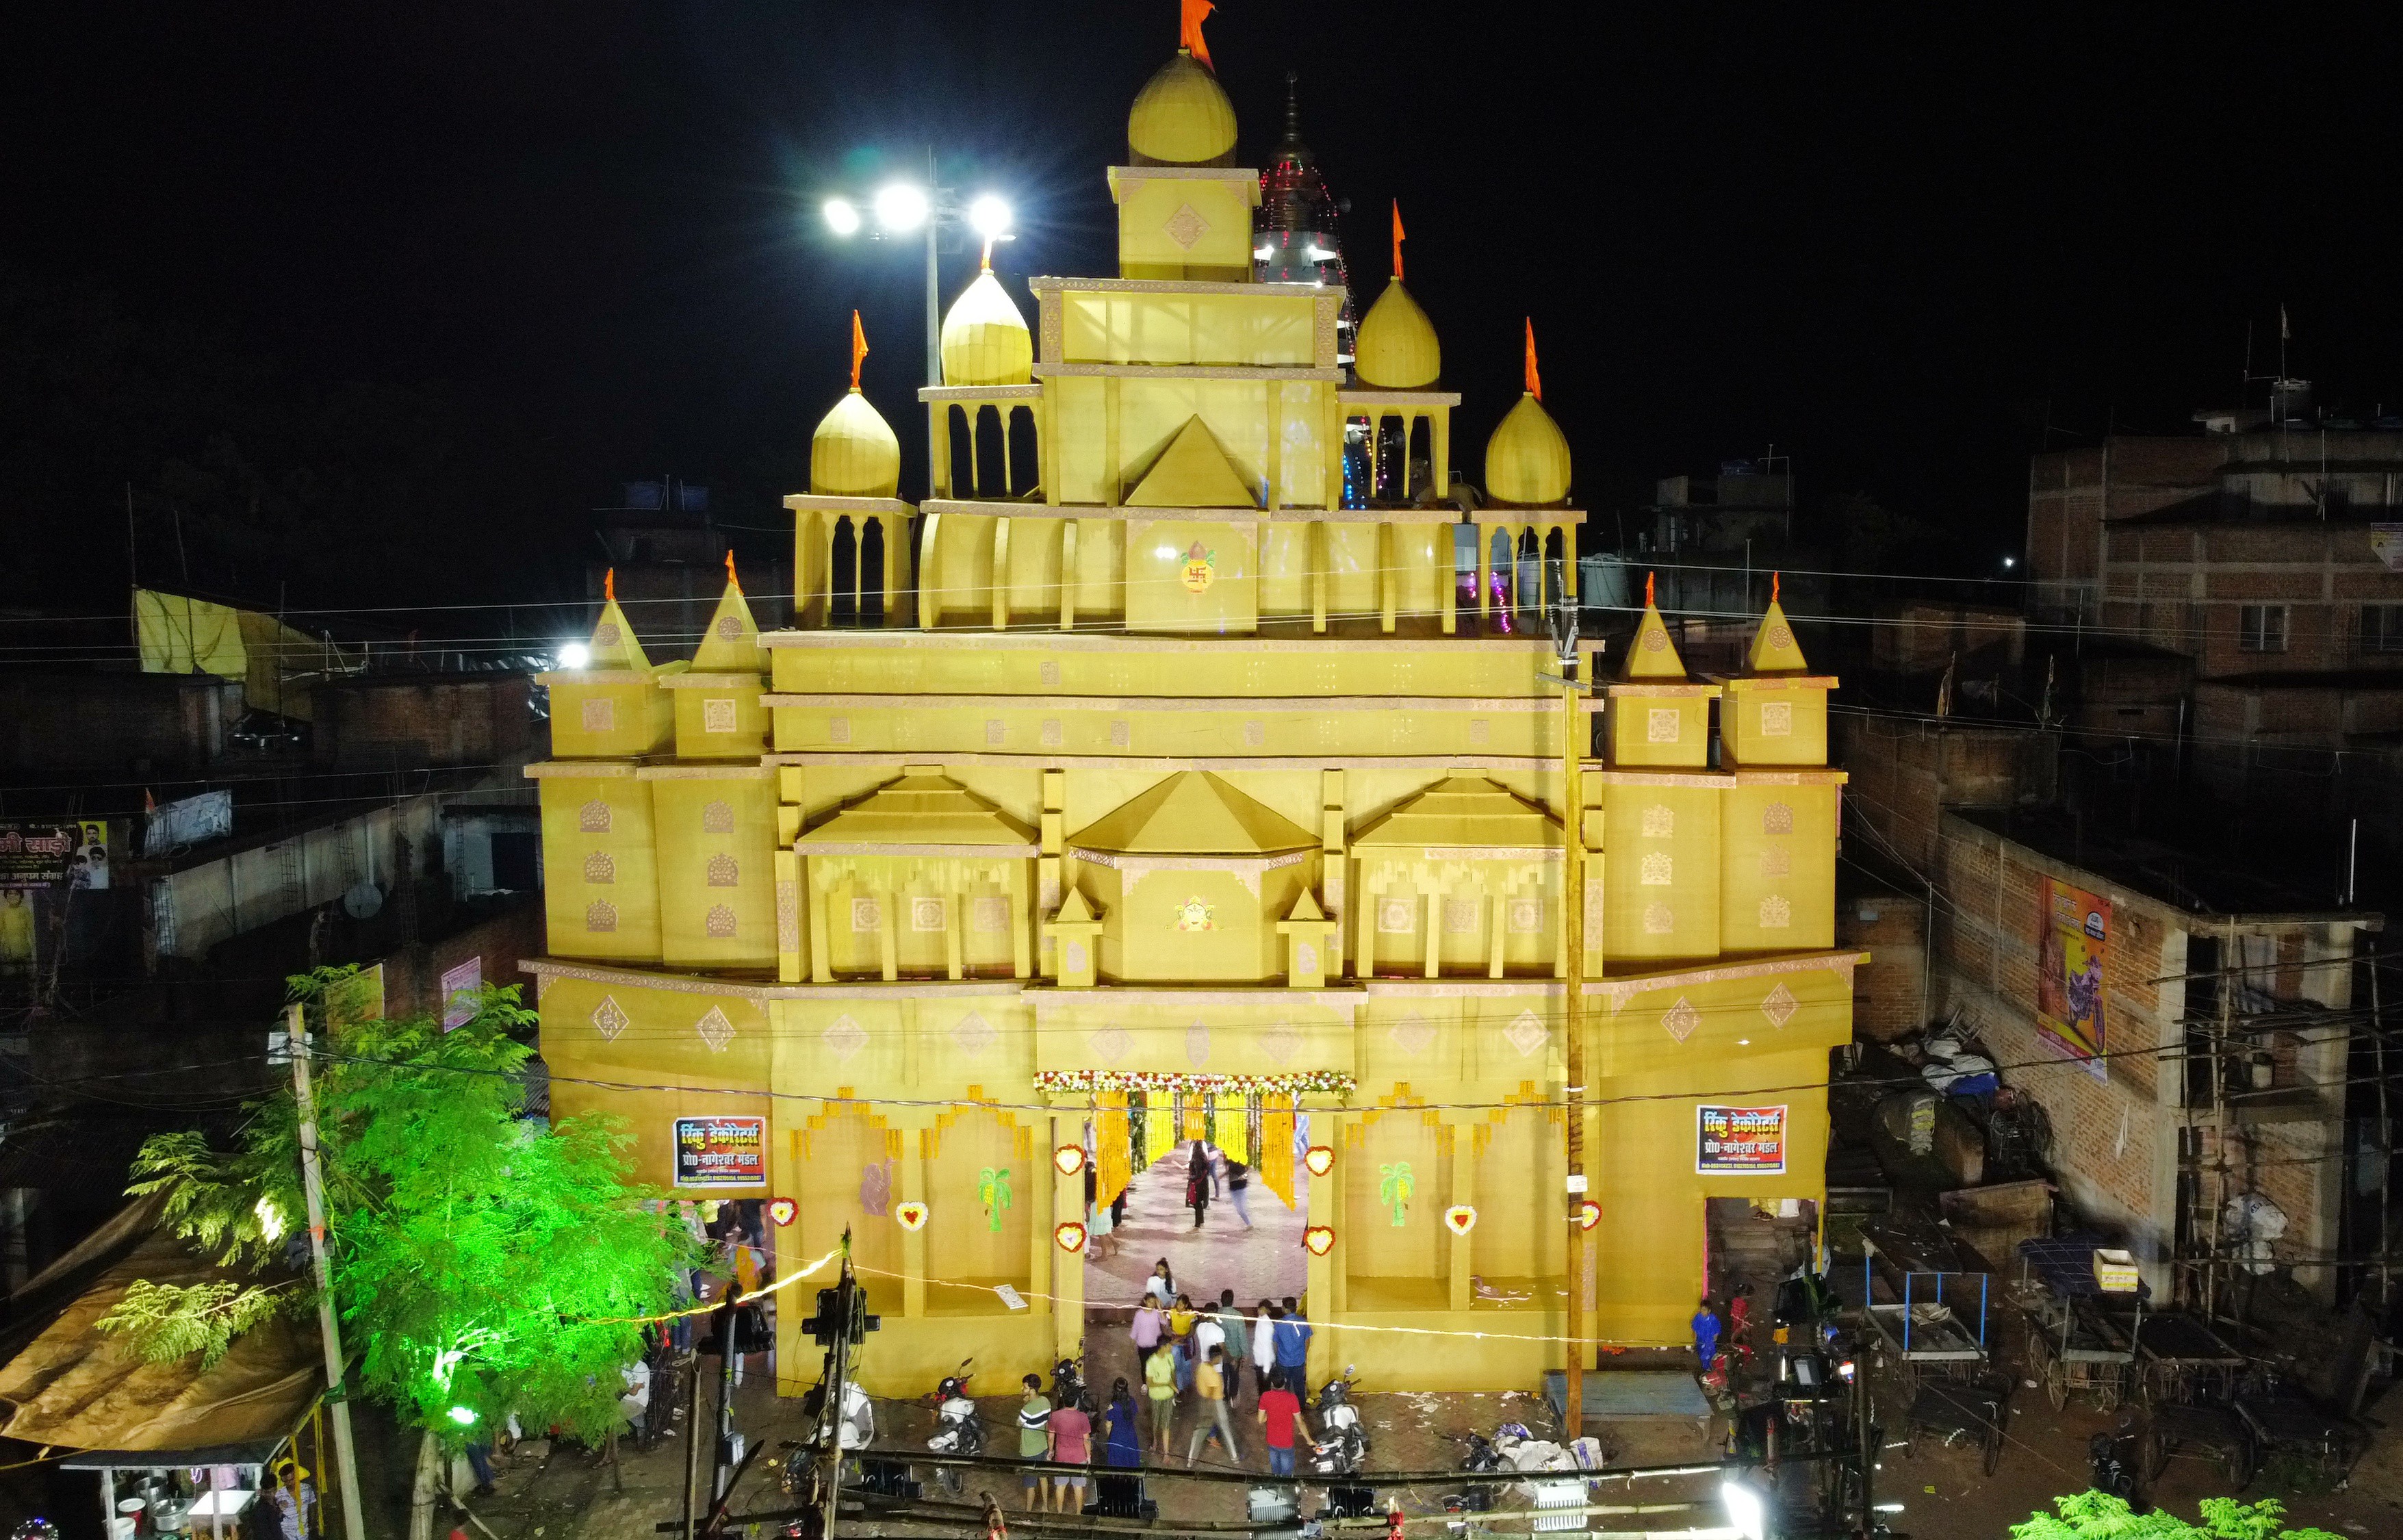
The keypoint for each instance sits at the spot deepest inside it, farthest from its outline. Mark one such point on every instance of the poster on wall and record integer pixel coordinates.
(355, 999)
(2075, 927)
(43, 867)
(459, 987)
(721, 1152)
(1739, 1141)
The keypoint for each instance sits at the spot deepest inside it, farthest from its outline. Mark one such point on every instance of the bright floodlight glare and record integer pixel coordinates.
(573, 655)
(841, 215)
(900, 206)
(462, 1416)
(2009, 561)
(988, 217)
(1745, 1510)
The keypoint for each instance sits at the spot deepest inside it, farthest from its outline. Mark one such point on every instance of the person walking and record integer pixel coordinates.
(1149, 1324)
(1197, 1182)
(1263, 1348)
(1207, 1333)
(1239, 1179)
(1161, 1286)
(1072, 1444)
(1209, 1378)
(1239, 1346)
(1279, 1413)
(1160, 1389)
(1034, 1437)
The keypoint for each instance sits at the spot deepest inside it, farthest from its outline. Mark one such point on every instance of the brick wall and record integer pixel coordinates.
(1889, 993)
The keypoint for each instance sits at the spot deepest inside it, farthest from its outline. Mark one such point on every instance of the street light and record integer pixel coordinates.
(901, 207)
(1747, 1506)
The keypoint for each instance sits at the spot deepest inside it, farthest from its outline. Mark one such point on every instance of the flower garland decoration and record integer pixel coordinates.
(992, 1191)
(1293, 1083)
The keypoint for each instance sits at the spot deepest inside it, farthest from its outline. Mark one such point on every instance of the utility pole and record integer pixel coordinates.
(935, 325)
(345, 1452)
(1564, 638)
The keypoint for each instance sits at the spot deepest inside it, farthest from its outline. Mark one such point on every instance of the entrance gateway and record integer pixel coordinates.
(1192, 769)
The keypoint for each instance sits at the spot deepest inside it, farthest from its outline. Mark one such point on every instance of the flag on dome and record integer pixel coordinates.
(1188, 30)
(1535, 389)
(858, 348)
(1397, 238)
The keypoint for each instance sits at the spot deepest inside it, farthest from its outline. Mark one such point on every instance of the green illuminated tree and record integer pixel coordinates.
(2097, 1515)
(483, 1265)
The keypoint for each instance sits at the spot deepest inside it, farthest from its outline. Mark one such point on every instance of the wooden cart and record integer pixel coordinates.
(2075, 1347)
(2181, 1362)
(1927, 1332)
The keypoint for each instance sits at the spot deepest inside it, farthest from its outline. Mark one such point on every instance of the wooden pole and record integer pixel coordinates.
(345, 1454)
(1572, 1013)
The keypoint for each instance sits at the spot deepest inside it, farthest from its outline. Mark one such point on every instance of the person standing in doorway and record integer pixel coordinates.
(1239, 1346)
(1160, 1389)
(1279, 1413)
(1196, 1182)
(1034, 1437)
(1209, 1378)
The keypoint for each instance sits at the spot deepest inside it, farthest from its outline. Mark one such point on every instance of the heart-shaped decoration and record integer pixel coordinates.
(1460, 1219)
(1071, 1236)
(1588, 1215)
(1319, 1238)
(1070, 1158)
(913, 1216)
(1319, 1159)
(783, 1210)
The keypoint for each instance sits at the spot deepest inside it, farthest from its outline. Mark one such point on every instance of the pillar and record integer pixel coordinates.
(1067, 1205)
(1001, 573)
(1463, 1190)
(914, 1242)
(1040, 1247)
(1324, 1280)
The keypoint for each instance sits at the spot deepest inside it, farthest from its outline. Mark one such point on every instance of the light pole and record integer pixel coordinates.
(900, 207)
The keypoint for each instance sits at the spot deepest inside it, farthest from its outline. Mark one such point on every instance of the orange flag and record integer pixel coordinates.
(1647, 591)
(1773, 587)
(609, 586)
(1188, 30)
(730, 578)
(858, 348)
(1534, 381)
(1397, 238)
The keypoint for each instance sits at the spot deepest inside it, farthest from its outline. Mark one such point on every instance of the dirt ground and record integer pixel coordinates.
(565, 1494)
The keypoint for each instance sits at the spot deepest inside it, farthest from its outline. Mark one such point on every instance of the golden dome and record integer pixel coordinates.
(1396, 349)
(853, 454)
(985, 341)
(1527, 459)
(1181, 118)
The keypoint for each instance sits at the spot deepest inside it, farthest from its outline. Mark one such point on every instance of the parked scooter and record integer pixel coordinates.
(2112, 1460)
(1343, 1448)
(958, 1429)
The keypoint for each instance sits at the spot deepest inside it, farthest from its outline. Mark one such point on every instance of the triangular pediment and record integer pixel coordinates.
(1652, 653)
(1193, 813)
(1076, 909)
(613, 644)
(730, 644)
(1192, 470)
(1465, 812)
(1774, 648)
(924, 807)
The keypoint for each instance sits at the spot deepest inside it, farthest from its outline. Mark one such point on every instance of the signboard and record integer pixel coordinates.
(43, 866)
(721, 1152)
(358, 998)
(459, 987)
(2386, 543)
(1739, 1141)
(2074, 928)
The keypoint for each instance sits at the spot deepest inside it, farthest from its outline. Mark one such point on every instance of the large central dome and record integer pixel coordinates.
(1181, 118)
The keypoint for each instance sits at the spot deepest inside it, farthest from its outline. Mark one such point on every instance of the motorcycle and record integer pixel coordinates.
(1482, 1458)
(2112, 1462)
(1068, 1381)
(958, 1429)
(1342, 1449)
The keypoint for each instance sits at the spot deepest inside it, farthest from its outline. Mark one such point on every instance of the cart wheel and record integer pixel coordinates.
(2106, 1397)
(2152, 1454)
(1993, 1448)
(2243, 1462)
(2056, 1386)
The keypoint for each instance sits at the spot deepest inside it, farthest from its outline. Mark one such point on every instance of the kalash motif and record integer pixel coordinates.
(1190, 762)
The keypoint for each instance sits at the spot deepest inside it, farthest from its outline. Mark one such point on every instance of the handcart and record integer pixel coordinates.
(2180, 1361)
(1926, 1332)
(2284, 1422)
(2208, 1432)
(2074, 1346)
(1953, 1411)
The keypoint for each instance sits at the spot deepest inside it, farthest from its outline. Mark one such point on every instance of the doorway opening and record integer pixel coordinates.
(1143, 1145)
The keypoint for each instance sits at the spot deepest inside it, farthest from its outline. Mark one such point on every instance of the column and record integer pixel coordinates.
(1324, 1279)
(1040, 1247)
(1275, 459)
(1067, 1206)
(1001, 573)
(1463, 1190)
(914, 1242)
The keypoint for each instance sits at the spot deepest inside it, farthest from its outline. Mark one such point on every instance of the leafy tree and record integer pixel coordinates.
(481, 1265)
(2097, 1515)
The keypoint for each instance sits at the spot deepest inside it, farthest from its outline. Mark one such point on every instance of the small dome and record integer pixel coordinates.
(985, 341)
(1527, 459)
(1181, 118)
(853, 454)
(1396, 348)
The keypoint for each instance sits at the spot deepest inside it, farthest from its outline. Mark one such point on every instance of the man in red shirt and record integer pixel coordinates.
(1279, 1413)
(1071, 1432)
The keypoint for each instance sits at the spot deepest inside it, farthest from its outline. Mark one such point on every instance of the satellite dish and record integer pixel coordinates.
(363, 901)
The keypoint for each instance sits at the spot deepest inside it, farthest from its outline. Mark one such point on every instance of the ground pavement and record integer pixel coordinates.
(1266, 1262)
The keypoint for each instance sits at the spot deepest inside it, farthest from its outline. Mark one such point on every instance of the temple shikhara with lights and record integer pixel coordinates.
(1172, 773)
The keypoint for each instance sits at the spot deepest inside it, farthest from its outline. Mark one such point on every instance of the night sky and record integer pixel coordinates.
(1895, 244)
